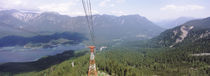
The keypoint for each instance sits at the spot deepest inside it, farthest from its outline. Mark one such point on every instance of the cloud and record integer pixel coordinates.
(70, 7)
(172, 11)
(120, 1)
(62, 7)
(19, 4)
(181, 8)
(104, 3)
(110, 3)
(118, 13)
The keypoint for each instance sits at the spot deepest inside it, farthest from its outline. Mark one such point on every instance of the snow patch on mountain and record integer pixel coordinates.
(25, 16)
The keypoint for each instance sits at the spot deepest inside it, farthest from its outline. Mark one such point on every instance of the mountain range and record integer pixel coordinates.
(173, 22)
(107, 27)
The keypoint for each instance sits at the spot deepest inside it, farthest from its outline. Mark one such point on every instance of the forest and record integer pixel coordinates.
(132, 61)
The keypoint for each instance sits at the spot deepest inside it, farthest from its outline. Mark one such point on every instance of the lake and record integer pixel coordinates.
(21, 54)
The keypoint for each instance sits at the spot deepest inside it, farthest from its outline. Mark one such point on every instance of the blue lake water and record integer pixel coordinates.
(21, 54)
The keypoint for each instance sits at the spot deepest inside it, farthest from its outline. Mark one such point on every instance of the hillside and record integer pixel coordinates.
(194, 33)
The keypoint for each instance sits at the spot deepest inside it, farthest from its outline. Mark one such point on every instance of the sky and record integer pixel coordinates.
(154, 10)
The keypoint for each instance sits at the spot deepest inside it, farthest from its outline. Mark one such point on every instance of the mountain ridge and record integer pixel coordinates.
(108, 27)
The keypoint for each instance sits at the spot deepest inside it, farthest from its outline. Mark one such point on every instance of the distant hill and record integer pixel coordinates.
(173, 23)
(107, 27)
(195, 33)
(42, 40)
